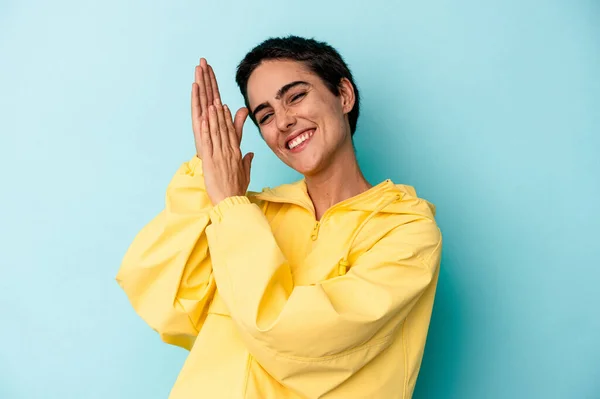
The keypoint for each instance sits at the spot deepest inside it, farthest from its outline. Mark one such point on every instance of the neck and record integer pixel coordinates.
(341, 180)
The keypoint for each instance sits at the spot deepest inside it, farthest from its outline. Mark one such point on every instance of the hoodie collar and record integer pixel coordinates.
(297, 193)
(386, 197)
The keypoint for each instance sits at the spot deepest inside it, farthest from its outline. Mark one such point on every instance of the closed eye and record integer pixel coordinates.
(297, 97)
(264, 118)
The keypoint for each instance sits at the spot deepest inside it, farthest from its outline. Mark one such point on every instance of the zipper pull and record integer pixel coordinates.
(315, 232)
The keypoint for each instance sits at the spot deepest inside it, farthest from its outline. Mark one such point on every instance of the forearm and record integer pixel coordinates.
(166, 272)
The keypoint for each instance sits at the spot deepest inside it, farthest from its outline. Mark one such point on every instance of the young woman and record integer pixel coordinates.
(322, 288)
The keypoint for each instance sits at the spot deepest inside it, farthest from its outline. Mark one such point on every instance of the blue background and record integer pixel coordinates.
(490, 108)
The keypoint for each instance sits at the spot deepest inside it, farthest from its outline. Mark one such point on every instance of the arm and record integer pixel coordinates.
(353, 316)
(166, 272)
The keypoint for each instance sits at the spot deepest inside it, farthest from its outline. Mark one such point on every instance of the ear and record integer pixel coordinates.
(347, 95)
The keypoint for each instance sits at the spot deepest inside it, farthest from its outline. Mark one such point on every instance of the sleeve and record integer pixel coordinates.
(353, 315)
(166, 272)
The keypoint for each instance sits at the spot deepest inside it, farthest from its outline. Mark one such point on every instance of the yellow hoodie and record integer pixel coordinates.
(272, 303)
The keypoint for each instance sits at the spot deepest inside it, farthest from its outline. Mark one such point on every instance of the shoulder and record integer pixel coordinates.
(414, 223)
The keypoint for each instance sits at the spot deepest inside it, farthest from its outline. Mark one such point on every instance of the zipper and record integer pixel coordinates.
(315, 232)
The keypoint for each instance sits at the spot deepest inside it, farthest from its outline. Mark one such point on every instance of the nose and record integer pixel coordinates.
(285, 120)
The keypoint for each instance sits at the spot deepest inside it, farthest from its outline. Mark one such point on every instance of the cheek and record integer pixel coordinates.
(315, 110)
(328, 107)
(270, 136)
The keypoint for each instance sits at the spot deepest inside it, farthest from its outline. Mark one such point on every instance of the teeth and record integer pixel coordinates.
(300, 139)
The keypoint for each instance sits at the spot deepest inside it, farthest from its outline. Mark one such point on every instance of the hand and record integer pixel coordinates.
(205, 92)
(226, 173)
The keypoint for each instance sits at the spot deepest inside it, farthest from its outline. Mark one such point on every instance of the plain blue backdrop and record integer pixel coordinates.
(490, 108)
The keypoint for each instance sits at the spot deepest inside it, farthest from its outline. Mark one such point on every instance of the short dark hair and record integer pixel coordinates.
(321, 58)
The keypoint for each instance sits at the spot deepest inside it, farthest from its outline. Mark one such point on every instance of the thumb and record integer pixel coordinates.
(247, 162)
(238, 122)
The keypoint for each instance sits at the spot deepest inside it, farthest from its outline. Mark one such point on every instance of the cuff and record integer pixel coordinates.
(219, 210)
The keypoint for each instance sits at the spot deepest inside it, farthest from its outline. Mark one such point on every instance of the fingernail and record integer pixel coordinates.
(217, 101)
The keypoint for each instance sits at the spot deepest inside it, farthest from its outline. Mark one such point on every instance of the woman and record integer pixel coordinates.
(322, 288)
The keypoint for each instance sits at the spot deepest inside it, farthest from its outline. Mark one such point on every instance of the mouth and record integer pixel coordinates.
(299, 141)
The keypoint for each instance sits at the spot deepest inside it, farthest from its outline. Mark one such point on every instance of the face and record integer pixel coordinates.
(300, 119)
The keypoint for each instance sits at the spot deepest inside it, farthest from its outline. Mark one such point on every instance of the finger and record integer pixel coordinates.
(197, 74)
(214, 85)
(247, 162)
(207, 84)
(196, 122)
(224, 134)
(240, 118)
(215, 134)
(202, 94)
(234, 141)
(207, 149)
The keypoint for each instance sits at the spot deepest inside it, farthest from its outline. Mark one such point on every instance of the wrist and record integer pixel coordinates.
(221, 207)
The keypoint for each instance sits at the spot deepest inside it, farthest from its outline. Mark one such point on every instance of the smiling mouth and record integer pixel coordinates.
(300, 141)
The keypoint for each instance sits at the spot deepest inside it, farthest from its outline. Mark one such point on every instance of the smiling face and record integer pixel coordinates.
(300, 119)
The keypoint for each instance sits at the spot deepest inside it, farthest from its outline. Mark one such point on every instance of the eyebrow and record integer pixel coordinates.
(280, 93)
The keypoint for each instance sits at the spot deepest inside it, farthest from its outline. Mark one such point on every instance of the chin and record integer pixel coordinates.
(307, 165)
(307, 169)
